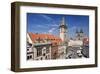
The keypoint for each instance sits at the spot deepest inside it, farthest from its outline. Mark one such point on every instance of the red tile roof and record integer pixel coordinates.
(50, 37)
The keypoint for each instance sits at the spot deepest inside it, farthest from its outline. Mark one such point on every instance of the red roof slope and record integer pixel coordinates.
(50, 37)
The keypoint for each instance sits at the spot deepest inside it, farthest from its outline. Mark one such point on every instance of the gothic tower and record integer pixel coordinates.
(63, 30)
(79, 34)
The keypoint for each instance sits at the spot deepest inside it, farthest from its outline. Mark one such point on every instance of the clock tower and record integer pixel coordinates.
(63, 30)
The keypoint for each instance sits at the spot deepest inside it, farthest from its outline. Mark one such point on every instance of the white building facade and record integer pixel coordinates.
(42, 51)
(39, 50)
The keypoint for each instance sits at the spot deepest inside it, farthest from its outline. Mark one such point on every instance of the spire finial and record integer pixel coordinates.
(63, 23)
(81, 30)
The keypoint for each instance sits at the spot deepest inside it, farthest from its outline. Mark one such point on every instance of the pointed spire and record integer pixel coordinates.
(63, 23)
(81, 30)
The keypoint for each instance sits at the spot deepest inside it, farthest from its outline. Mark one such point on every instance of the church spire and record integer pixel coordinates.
(63, 23)
(81, 30)
(63, 30)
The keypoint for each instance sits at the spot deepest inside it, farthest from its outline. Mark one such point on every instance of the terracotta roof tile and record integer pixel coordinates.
(52, 38)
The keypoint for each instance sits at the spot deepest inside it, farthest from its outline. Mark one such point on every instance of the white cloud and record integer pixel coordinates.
(50, 20)
(46, 17)
(54, 25)
(41, 26)
(51, 30)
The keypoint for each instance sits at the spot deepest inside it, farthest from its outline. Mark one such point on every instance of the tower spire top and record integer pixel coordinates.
(63, 23)
(81, 30)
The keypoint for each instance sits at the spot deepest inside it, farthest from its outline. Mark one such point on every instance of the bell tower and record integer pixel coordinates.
(63, 30)
(79, 34)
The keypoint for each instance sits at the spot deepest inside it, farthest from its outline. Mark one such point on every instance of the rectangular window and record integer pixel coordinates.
(47, 49)
(29, 57)
(39, 51)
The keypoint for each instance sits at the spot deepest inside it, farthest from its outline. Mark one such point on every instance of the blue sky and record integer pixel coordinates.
(49, 23)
